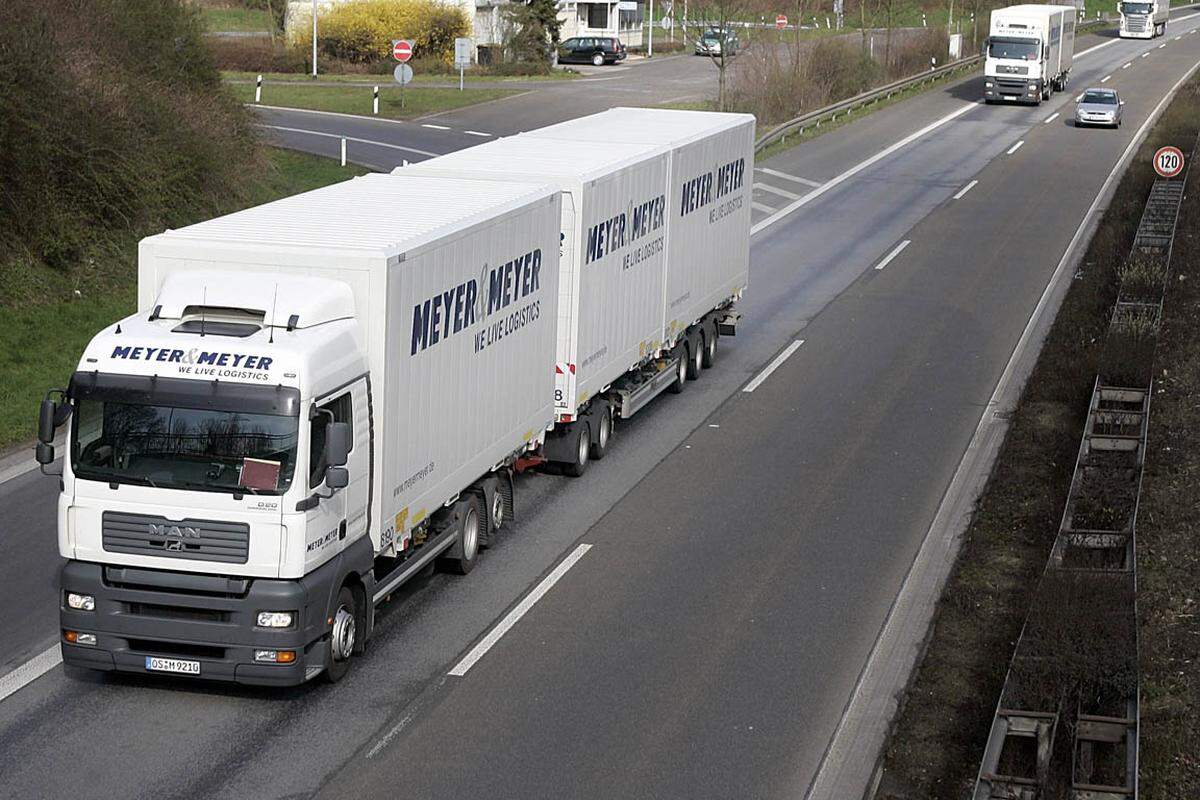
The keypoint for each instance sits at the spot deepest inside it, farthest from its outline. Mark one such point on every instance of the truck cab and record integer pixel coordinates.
(1143, 19)
(216, 483)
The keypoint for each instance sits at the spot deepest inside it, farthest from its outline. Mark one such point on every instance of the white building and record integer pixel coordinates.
(620, 18)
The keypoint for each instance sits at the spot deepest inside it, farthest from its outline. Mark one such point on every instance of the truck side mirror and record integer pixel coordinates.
(44, 453)
(337, 477)
(337, 443)
(46, 415)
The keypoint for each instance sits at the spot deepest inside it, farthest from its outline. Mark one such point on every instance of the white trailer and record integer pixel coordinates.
(316, 398)
(1029, 53)
(712, 159)
(1143, 19)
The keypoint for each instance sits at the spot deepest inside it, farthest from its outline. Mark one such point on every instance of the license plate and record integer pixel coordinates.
(1011, 97)
(172, 665)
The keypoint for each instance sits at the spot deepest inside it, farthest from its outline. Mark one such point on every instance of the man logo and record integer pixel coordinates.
(173, 531)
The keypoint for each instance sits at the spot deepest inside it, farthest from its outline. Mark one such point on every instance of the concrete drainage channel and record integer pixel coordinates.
(1067, 721)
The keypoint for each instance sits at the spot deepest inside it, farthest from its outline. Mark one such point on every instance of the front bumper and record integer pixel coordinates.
(1082, 121)
(1013, 90)
(205, 618)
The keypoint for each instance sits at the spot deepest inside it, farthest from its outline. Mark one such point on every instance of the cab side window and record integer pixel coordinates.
(341, 409)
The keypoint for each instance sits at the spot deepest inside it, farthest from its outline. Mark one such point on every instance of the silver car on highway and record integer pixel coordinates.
(1099, 106)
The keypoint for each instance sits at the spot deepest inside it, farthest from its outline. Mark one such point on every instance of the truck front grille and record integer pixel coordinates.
(159, 648)
(196, 539)
(176, 612)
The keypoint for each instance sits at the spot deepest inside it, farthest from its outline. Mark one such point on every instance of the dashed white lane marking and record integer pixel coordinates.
(1127, 66)
(763, 207)
(774, 365)
(435, 127)
(1105, 79)
(785, 176)
(897, 251)
(1161, 46)
(30, 671)
(1051, 118)
(476, 133)
(766, 187)
(1144, 55)
(512, 617)
(964, 190)
(1014, 148)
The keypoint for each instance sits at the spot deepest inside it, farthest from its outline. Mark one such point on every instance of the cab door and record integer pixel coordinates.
(326, 523)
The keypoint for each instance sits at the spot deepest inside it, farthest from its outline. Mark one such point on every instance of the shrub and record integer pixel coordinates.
(362, 31)
(1127, 358)
(1142, 278)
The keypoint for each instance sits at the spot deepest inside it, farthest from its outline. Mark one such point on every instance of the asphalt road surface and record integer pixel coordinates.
(745, 546)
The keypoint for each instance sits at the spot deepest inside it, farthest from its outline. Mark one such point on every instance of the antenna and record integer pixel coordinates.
(274, 303)
(203, 304)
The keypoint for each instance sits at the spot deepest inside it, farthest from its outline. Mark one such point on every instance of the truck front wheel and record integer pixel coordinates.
(342, 636)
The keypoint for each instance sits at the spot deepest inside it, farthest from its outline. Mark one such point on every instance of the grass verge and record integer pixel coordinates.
(1168, 519)
(936, 743)
(235, 19)
(363, 79)
(40, 344)
(417, 102)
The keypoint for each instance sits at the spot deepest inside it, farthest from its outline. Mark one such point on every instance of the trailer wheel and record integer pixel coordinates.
(496, 519)
(604, 430)
(710, 348)
(342, 636)
(681, 370)
(583, 451)
(466, 553)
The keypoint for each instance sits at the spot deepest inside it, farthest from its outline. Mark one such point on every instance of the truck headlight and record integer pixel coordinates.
(81, 602)
(275, 619)
(987, 84)
(275, 656)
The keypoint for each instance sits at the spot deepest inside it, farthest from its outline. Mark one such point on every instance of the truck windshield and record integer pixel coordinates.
(183, 434)
(1022, 49)
(1136, 8)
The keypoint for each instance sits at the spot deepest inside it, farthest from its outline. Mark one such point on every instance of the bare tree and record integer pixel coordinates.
(719, 20)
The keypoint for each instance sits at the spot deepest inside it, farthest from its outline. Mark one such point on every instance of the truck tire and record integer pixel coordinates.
(681, 370)
(695, 357)
(343, 636)
(466, 552)
(710, 347)
(582, 449)
(604, 429)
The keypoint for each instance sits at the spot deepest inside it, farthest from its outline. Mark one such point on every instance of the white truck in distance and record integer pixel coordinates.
(1029, 53)
(1143, 19)
(321, 396)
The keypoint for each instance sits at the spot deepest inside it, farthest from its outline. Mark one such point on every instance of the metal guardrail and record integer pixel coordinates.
(832, 112)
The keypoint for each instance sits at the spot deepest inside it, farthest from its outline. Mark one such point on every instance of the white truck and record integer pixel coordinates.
(655, 253)
(320, 397)
(1029, 53)
(1143, 19)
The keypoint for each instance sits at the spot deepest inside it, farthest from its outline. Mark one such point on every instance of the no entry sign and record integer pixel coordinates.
(1168, 161)
(402, 50)
(781, 21)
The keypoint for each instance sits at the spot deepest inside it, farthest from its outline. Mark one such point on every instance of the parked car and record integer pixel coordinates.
(598, 50)
(715, 42)
(1099, 107)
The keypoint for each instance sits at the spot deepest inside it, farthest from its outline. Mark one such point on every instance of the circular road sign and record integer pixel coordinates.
(402, 73)
(402, 50)
(780, 22)
(1168, 161)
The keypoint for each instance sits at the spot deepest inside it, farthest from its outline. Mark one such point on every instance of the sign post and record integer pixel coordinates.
(462, 58)
(1168, 161)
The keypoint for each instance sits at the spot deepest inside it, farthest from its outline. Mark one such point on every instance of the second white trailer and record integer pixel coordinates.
(712, 166)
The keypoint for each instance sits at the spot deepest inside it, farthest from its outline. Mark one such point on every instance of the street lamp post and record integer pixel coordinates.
(314, 15)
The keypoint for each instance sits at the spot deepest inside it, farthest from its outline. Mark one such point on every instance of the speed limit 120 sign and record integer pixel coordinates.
(1168, 161)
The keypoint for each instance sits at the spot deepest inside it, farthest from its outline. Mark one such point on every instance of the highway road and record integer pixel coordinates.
(745, 546)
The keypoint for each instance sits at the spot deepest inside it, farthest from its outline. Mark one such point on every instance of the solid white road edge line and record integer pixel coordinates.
(347, 138)
(30, 671)
(774, 365)
(859, 167)
(895, 252)
(1051, 118)
(964, 190)
(512, 617)
(1014, 148)
(868, 717)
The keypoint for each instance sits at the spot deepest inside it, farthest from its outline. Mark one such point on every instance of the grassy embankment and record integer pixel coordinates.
(394, 103)
(102, 143)
(936, 746)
